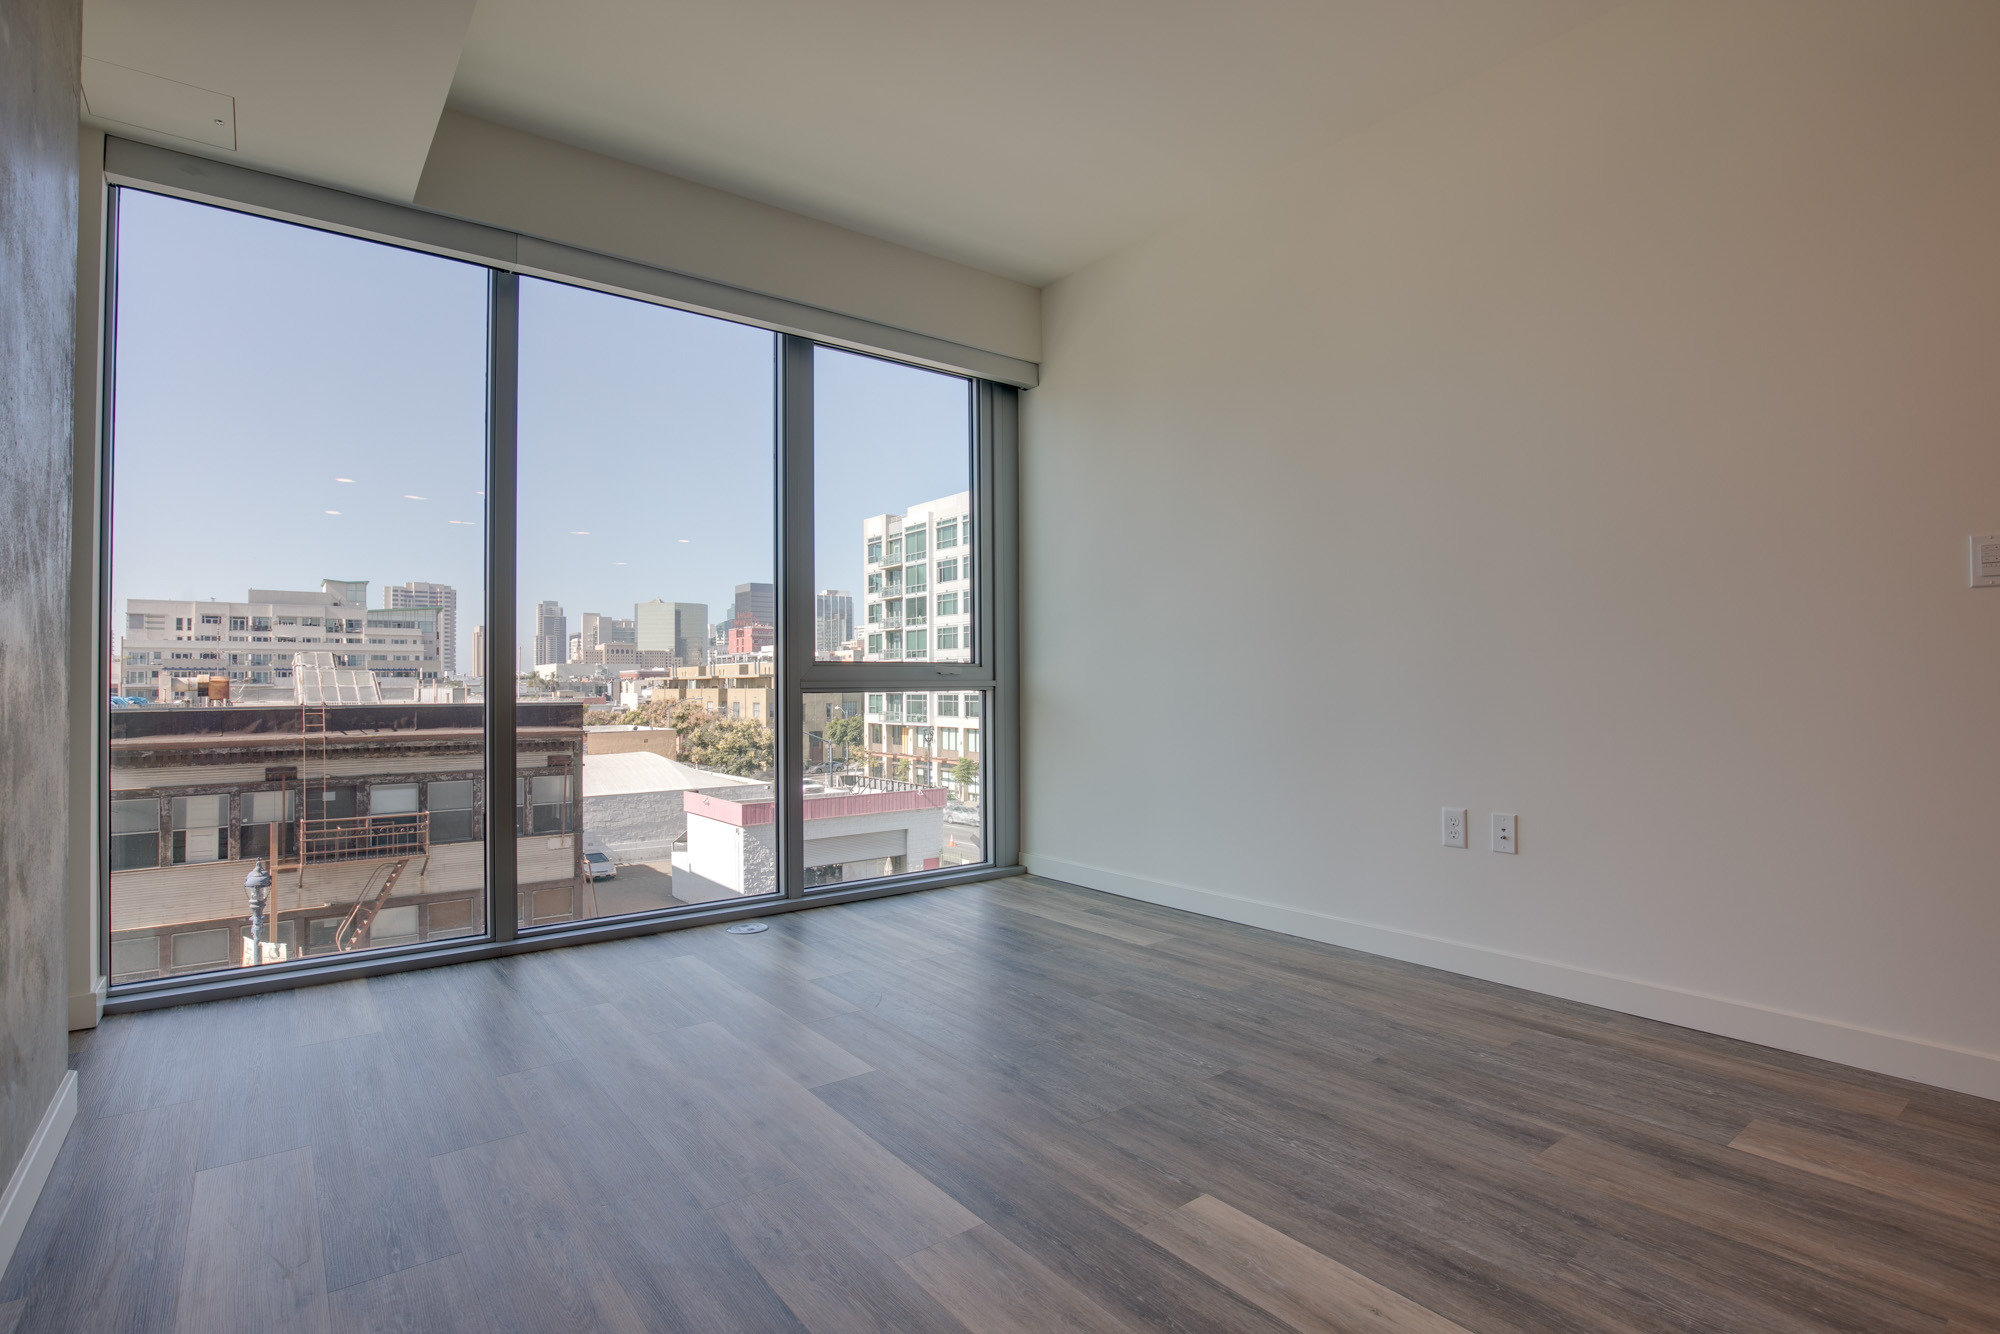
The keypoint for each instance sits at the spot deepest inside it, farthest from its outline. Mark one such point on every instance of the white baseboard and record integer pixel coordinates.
(86, 1008)
(1905, 1057)
(32, 1172)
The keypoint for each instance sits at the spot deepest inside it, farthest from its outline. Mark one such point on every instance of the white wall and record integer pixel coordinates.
(1600, 441)
(509, 178)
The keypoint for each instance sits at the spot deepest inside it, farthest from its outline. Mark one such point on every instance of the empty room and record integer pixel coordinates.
(1259, 668)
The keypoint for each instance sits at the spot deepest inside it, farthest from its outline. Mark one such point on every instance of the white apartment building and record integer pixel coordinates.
(919, 571)
(253, 641)
(442, 596)
(932, 738)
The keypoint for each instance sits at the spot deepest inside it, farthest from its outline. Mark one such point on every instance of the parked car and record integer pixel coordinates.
(597, 866)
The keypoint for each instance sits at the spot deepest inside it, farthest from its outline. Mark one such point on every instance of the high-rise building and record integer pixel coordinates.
(442, 596)
(919, 596)
(551, 633)
(478, 667)
(679, 628)
(598, 629)
(833, 619)
(756, 604)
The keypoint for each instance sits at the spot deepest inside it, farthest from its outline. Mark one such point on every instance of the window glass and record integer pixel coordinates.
(892, 463)
(451, 811)
(135, 834)
(200, 949)
(885, 799)
(392, 799)
(298, 510)
(135, 957)
(270, 825)
(297, 526)
(647, 585)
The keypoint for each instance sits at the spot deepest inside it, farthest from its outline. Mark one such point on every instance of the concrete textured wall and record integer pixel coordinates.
(1597, 441)
(40, 46)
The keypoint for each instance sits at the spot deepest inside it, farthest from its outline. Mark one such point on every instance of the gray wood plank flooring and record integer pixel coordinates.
(999, 1109)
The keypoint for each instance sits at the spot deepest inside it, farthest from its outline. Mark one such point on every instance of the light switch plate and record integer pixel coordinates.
(1504, 839)
(1985, 553)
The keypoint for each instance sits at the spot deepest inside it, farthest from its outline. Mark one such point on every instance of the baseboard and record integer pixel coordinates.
(1904, 1057)
(86, 1008)
(32, 1172)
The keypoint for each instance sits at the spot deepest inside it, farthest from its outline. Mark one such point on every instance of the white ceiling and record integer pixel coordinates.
(1027, 138)
(340, 92)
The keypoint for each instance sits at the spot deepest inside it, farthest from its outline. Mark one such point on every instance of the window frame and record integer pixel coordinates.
(993, 407)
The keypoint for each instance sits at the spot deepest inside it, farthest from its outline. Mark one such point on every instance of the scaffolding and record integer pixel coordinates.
(319, 683)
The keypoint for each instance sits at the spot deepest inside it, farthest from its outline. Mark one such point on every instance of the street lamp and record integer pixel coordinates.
(258, 886)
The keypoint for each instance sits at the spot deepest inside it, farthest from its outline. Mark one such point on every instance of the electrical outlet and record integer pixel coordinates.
(1504, 839)
(1454, 826)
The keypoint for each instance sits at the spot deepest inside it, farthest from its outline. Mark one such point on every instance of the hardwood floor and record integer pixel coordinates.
(1014, 1108)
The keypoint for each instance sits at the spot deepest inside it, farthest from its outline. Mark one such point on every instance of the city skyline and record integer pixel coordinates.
(290, 403)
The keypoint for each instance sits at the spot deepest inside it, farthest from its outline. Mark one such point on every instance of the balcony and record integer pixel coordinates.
(364, 838)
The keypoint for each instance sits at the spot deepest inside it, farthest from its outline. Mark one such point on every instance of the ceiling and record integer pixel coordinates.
(1027, 138)
(340, 92)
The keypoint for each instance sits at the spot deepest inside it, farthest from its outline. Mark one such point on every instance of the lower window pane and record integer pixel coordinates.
(674, 812)
(295, 524)
(892, 784)
(367, 818)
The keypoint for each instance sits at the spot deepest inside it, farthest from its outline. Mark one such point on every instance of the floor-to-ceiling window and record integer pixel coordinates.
(647, 557)
(892, 783)
(297, 562)
(398, 541)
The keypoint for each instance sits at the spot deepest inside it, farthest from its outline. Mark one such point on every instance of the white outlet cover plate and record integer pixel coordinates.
(1454, 827)
(1504, 838)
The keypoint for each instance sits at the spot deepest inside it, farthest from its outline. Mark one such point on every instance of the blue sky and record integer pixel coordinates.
(294, 405)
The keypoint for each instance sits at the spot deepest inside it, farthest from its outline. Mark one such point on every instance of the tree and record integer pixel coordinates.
(965, 773)
(845, 733)
(900, 769)
(741, 748)
(709, 742)
(685, 715)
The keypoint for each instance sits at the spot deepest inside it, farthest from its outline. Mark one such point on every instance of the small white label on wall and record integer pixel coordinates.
(1986, 560)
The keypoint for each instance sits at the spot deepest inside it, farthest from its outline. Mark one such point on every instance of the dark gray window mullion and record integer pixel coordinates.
(503, 359)
(1000, 548)
(107, 345)
(797, 642)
